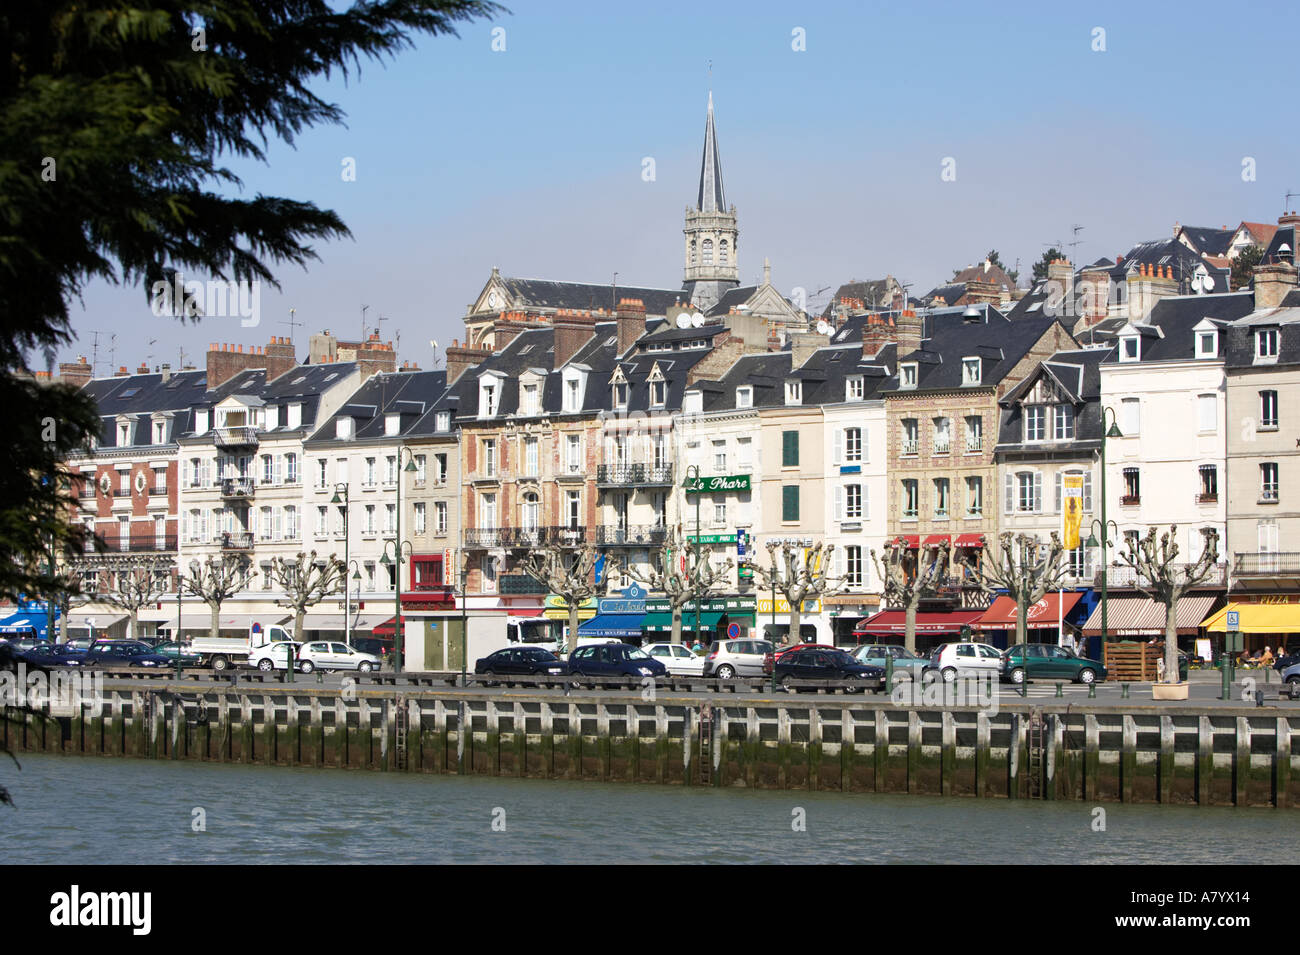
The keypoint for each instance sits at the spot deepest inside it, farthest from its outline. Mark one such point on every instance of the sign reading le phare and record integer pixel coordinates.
(717, 484)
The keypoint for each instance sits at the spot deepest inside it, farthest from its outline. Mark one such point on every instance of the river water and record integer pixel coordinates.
(86, 810)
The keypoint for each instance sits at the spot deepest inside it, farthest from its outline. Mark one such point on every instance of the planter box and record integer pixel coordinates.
(1169, 691)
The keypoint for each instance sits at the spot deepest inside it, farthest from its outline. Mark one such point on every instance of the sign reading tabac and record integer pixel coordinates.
(718, 484)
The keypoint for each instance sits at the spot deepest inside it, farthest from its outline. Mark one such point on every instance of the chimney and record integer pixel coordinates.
(122, 373)
(908, 332)
(1060, 280)
(802, 346)
(143, 369)
(224, 361)
(1272, 282)
(631, 323)
(573, 329)
(460, 359)
(507, 327)
(1148, 285)
(166, 372)
(978, 292)
(876, 334)
(376, 356)
(75, 373)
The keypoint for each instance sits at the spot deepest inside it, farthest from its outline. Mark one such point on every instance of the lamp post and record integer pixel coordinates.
(176, 636)
(464, 619)
(398, 542)
(1105, 542)
(343, 489)
(773, 553)
(695, 571)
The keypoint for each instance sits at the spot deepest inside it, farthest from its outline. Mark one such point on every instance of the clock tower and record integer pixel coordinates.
(712, 260)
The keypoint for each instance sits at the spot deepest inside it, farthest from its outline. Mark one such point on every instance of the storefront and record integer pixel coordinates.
(720, 618)
(1054, 619)
(620, 617)
(1264, 620)
(1135, 616)
(932, 628)
(845, 611)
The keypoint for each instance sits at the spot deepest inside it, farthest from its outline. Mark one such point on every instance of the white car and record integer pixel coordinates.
(335, 656)
(677, 658)
(952, 660)
(270, 657)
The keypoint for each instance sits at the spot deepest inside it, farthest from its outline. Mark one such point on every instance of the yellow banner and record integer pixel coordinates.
(1072, 511)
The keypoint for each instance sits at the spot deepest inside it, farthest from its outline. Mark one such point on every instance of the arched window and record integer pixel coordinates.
(692, 251)
(708, 251)
(722, 252)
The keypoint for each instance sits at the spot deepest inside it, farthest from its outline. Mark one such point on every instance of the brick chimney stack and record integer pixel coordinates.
(226, 360)
(1273, 281)
(573, 329)
(75, 373)
(461, 358)
(375, 356)
(908, 331)
(631, 323)
(876, 334)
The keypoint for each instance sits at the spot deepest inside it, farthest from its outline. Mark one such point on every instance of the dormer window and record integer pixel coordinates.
(442, 421)
(574, 379)
(1266, 343)
(745, 396)
(272, 417)
(794, 392)
(1130, 348)
(293, 417)
(853, 388)
(201, 422)
(1035, 423)
(907, 375)
(530, 404)
(1207, 344)
(123, 434)
(343, 428)
(619, 394)
(970, 371)
(693, 402)
(392, 424)
(489, 396)
(658, 394)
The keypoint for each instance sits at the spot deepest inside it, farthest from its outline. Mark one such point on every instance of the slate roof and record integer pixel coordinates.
(1241, 336)
(977, 273)
(1078, 373)
(411, 394)
(872, 294)
(731, 299)
(1209, 241)
(949, 293)
(543, 293)
(1175, 317)
(1285, 234)
(144, 395)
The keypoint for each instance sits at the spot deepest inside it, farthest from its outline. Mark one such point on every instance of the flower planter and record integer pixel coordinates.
(1169, 691)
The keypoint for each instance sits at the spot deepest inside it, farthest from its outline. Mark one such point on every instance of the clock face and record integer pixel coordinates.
(494, 299)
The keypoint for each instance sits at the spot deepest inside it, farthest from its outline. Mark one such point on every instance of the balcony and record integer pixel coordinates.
(158, 490)
(942, 446)
(1257, 565)
(1123, 576)
(144, 544)
(631, 535)
(237, 541)
(229, 438)
(121, 492)
(1207, 498)
(240, 487)
(522, 538)
(1269, 495)
(489, 476)
(974, 445)
(911, 447)
(634, 475)
(1130, 500)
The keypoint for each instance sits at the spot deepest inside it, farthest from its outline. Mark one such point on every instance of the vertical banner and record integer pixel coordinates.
(1072, 510)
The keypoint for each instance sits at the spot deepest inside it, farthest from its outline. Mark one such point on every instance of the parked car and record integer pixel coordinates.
(951, 660)
(274, 656)
(521, 661)
(78, 644)
(731, 658)
(905, 661)
(331, 655)
(1291, 677)
(677, 658)
(375, 646)
(123, 653)
(48, 655)
(614, 660)
(1046, 661)
(170, 649)
(811, 662)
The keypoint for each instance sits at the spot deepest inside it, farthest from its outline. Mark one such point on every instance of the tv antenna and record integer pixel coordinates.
(1286, 203)
(181, 366)
(94, 356)
(379, 324)
(292, 324)
(112, 352)
(1076, 229)
(364, 309)
(433, 343)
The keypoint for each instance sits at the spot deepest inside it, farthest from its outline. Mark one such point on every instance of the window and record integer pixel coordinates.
(658, 394)
(942, 435)
(531, 459)
(659, 505)
(1267, 410)
(573, 509)
(974, 496)
(1266, 344)
(1207, 413)
(321, 472)
(794, 392)
(1268, 480)
(852, 502)
(722, 252)
(659, 449)
(1131, 415)
(790, 503)
(573, 453)
(911, 498)
(1268, 546)
(853, 565)
(291, 523)
(720, 457)
(572, 395)
(488, 509)
(974, 433)
(911, 436)
(369, 480)
(291, 469)
(744, 454)
(789, 449)
(529, 404)
(719, 511)
(322, 521)
(392, 424)
(421, 468)
(853, 390)
(745, 396)
(1029, 492)
(1035, 423)
(440, 517)
(369, 526)
(420, 521)
(530, 513)
(907, 375)
(620, 394)
(1207, 345)
(440, 468)
(1087, 489)
(852, 445)
(489, 457)
(970, 371)
(442, 421)
(487, 398)
(1063, 422)
(390, 470)
(1209, 482)
(159, 432)
(268, 469)
(294, 416)
(707, 251)
(1132, 487)
(941, 488)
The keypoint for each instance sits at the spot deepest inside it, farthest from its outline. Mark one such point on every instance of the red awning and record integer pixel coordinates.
(385, 629)
(970, 540)
(1042, 615)
(913, 541)
(524, 611)
(894, 622)
(940, 539)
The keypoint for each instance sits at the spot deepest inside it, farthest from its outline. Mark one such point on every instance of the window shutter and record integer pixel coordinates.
(1038, 493)
(839, 446)
(839, 503)
(1087, 491)
(276, 463)
(279, 523)
(1011, 493)
(1060, 482)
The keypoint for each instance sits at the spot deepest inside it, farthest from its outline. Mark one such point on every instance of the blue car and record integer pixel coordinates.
(49, 655)
(124, 653)
(619, 660)
(825, 663)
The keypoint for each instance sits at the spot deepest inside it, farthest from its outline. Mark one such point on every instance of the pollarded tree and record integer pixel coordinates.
(799, 578)
(567, 572)
(1025, 568)
(909, 575)
(305, 581)
(683, 575)
(1159, 575)
(215, 581)
(133, 583)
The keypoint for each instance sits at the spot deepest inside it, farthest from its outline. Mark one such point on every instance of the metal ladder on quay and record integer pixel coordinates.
(401, 724)
(1036, 745)
(706, 744)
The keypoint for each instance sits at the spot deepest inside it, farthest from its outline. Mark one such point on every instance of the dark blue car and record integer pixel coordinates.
(825, 663)
(49, 655)
(521, 661)
(124, 653)
(619, 660)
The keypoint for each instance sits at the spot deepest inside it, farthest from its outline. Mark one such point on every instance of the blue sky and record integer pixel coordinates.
(530, 158)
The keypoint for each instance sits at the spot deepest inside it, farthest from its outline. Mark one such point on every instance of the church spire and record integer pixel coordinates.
(711, 197)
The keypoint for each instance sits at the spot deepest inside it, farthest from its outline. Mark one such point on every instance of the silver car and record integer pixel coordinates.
(731, 658)
(679, 660)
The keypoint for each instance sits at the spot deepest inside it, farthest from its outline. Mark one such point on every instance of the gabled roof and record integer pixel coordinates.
(547, 294)
(1176, 316)
(409, 394)
(1207, 241)
(1077, 373)
(732, 298)
(939, 359)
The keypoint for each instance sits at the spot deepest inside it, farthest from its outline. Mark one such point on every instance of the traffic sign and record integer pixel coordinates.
(733, 630)
(1234, 619)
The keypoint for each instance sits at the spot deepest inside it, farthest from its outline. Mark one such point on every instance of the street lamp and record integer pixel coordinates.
(343, 488)
(464, 619)
(176, 635)
(398, 542)
(1105, 542)
(695, 571)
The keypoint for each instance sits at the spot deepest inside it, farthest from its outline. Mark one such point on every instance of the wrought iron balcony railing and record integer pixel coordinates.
(237, 487)
(239, 540)
(1248, 565)
(235, 438)
(631, 535)
(639, 475)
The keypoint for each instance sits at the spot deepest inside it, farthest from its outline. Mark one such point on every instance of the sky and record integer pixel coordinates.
(836, 125)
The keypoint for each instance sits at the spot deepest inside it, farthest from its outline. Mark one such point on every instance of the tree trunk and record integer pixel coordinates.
(215, 631)
(909, 627)
(677, 624)
(298, 618)
(795, 637)
(1171, 641)
(573, 625)
(135, 625)
(1022, 623)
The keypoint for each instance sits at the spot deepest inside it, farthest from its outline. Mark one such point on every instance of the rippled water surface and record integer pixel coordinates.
(90, 810)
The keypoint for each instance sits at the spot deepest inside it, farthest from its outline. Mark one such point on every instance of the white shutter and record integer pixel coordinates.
(279, 523)
(866, 511)
(1087, 491)
(1038, 492)
(839, 446)
(1010, 503)
(839, 503)
(276, 462)
(1060, 481)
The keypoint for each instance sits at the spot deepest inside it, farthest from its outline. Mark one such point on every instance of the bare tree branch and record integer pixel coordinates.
(567, 572)
(305, 582)
(803, 577)
(909, 575)
(683, 575)
(1024, 567)
(215, 581)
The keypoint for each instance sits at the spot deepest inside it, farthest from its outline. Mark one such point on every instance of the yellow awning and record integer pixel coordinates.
(1258, 618)
(583, 615)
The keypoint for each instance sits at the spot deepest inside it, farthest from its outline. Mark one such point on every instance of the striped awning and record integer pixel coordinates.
(1139, 615)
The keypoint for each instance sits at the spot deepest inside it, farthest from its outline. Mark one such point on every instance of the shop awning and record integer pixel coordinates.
(970, 540)
(1256, 618)
(613, 625)
(942, 540)
(1042, 615)
(556, 613)
(1139, 615)
(335, 621)
(894, 622)
(102, 620)
(663, 622)
(913, 541)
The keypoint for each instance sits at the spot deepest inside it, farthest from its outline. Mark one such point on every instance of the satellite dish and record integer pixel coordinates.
(1202, 281)
(823, 328)
(684, 320)
(697, 320)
